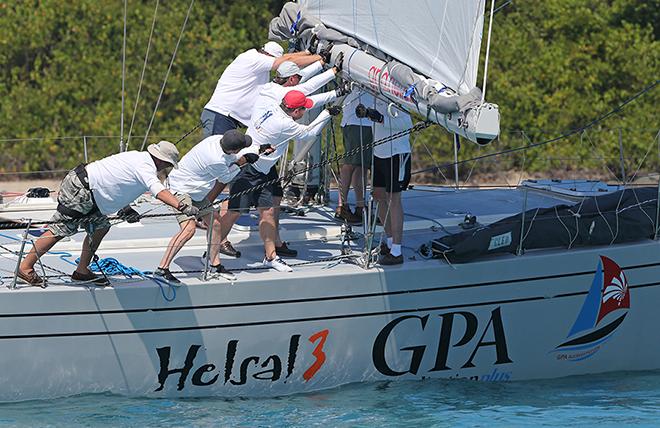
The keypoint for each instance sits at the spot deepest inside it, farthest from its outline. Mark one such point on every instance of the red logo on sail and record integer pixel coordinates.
(609, 293)
(615, 294)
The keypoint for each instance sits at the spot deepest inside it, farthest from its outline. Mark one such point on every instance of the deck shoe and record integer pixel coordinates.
(384, 249)
(32, 278)
(284, 250)
(389, 259)
(222, 271)
(90, 277)
(359, 214)
(228, 250)
(164, 273)
(344, 213)
(278, 264)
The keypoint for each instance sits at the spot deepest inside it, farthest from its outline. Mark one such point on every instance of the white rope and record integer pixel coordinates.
(162, 89)
(144, 67)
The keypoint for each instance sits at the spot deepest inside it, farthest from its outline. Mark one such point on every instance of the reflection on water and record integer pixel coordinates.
(606, 400)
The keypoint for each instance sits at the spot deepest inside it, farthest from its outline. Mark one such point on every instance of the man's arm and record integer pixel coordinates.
(315, 82)
(167, 197)
(301, 59)
(313, 129)
(311, 70)
(324, 98)
(217, 189)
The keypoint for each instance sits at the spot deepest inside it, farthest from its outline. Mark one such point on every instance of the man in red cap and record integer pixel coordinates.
(233, 99)
(271, 134)
(288, 78)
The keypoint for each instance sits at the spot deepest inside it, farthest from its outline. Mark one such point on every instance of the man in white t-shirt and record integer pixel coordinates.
(288, 78)
(271, 134)
(202, 175)
(391, 176)
(357, 134)
(233, 100)
(89, 193)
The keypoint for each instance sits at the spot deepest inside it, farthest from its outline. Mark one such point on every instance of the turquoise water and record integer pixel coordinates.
(605, 400)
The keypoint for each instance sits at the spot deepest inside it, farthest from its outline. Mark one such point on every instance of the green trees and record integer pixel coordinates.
(61, 73)
(555, 65)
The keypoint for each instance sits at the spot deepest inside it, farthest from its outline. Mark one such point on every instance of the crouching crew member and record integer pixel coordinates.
(89, 193)
(202, 175)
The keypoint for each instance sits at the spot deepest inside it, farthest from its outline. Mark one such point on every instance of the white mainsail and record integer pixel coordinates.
(440, 39)
(420, 55)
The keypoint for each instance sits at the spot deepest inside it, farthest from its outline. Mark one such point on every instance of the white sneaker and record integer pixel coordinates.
(278, 264)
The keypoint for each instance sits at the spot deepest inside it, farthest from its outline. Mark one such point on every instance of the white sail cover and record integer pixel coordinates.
(438, 38)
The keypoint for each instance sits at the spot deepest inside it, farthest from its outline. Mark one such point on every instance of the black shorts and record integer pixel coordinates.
(391, 174)
(248, 179)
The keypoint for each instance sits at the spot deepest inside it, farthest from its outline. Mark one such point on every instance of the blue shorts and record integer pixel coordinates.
(216, 123)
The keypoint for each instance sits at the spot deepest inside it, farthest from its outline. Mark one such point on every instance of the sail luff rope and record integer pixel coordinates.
(490, 29)
(144, 67)
(162, 89)
(123, 84)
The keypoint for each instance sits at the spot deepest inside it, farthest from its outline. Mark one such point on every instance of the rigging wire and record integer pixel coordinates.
(490, 29)
(162, 89)
(123, 82)
(144, 67)
(552, 140)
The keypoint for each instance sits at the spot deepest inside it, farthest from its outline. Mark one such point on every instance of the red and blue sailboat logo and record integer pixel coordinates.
(603, 310)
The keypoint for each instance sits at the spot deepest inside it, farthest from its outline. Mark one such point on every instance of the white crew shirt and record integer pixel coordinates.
(201, 167)
(277, 128)
(352, 100)
(272, 93)
(391, 125)
(118, 180)
(239, 84)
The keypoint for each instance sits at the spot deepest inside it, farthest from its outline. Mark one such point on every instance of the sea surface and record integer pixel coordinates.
(612, 400)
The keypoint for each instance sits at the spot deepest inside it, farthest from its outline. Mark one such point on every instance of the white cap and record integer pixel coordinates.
(165, 151)
(287, 69)
(273, 49)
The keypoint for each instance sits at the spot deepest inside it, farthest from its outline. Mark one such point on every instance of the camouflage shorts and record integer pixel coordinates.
(205, 207)
(74, 196)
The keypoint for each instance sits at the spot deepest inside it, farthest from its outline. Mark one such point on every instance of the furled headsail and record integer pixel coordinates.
(421, 55)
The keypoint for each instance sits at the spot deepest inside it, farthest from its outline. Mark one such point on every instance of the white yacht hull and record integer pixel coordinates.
(499, 319)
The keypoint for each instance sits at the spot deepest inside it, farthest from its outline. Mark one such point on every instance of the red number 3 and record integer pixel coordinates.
(318, 353)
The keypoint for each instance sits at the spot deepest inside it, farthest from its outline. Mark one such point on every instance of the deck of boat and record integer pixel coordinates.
(429, 212)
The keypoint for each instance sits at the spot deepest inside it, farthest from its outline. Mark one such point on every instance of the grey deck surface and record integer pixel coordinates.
(315, 235)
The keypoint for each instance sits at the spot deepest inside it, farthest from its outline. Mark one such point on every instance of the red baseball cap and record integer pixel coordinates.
(296, 99)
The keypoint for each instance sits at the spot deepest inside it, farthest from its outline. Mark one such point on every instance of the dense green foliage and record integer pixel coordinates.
(555, 65)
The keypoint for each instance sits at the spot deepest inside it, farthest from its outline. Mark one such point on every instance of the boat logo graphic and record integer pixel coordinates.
(604, 309)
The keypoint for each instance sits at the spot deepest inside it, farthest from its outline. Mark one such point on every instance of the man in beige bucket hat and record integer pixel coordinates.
(90, 192)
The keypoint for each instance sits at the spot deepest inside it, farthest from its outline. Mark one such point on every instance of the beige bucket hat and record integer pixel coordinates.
(165, 151)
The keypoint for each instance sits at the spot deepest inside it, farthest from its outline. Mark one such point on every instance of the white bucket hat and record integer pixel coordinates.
(273, 49)
(287, 69)
(165, 151)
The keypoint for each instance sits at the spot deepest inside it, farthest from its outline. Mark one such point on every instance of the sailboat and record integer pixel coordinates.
(339, 317)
